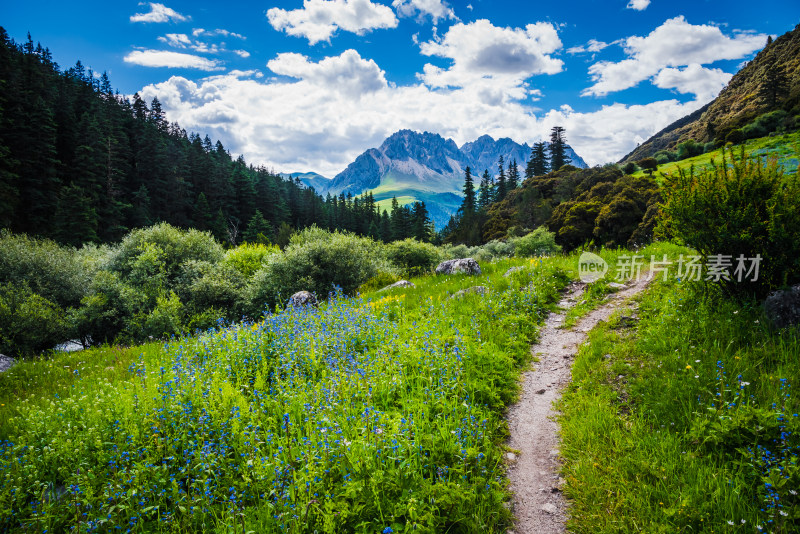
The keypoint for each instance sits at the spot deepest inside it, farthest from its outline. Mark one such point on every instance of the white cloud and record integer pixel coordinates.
(197, 32)
(593, 46)
(348, 73)
(242, 53)
(176, 40)
(159, 13)
(336, 108)
(704, 83)
(676, 43)
(638, 5)
(496, 60)
(163, 58)
(319, 19)
(437, 9)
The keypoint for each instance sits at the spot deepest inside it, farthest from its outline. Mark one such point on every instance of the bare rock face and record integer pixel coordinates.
(462, 266)
(301, 299)
(401, 283)
(783, 307)
(475, 290)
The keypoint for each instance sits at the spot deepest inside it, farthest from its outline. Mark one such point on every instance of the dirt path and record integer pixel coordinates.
(539, 506)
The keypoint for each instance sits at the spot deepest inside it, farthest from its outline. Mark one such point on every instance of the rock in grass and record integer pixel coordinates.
(6, 363)
(462, 266)
(301, 299)
(401, 283)
(513, 270)
(783, 307)
(475, 290)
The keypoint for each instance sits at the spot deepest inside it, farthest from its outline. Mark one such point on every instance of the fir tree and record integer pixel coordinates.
(468, 205)
(537, 164)
(501, 190)
(558, 148)
(513, 175)
(258, 230)
(484, 194)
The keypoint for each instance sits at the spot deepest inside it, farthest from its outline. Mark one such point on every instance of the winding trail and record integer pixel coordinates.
(539, 506)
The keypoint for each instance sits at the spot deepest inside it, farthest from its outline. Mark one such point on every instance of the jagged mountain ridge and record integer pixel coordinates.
(427, 162)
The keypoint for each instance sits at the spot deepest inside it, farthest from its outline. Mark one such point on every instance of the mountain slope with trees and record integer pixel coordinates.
(770, 83)
(80, 163)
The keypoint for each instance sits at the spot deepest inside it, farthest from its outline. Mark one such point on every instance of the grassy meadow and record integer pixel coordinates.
(372, 414)
(687, 422)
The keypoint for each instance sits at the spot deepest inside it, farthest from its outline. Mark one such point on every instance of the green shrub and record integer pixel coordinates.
(689, 149)
(58, 274)
(735, 136)
(630, 168)
(165, 248)
(29, 323)
(316, 260)
(739, 207)
(379, 281)
(103, 313)
(166, 318)
(540, 242)
(412, 257)
(249, 257)
(663, 156)
(205, 285)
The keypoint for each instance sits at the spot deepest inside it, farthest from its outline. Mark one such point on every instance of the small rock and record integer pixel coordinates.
(302, 299)
(783, 307)
(462, 266)
(6, 363)
(549, 508)
(541, 392)
(401, 283)
(511, 457)
(616, 285)
(513, 270)
(475, 290)
(607, 356)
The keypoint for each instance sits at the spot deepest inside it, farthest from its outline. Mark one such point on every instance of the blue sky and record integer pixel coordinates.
(303, 85)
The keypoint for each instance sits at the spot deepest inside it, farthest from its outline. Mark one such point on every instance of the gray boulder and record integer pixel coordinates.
(783, 307)
(475, 290)
(401, 283)
(462, 266)
(6, 363)
(301, 299)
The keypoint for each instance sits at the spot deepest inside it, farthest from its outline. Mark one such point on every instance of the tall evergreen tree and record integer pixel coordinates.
(513, 175)
(558, 148)
(502, 186)
(537, 164)
(469, 204)
(258, 230)
(484, 193)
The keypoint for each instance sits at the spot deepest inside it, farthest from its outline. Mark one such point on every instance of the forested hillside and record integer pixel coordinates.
(81, 163)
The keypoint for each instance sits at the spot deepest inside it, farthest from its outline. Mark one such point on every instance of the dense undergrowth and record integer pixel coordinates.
(369, 414)
(687, 423)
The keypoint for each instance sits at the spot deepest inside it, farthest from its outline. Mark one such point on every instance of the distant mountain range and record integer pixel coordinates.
(426, 167)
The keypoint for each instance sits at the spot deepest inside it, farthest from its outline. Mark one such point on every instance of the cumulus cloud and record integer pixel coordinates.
(163, 58)
(176, 40)
(496, 60)
(321, 115)
(348, 72)
(437, 9)
(242, 53)
(318, 20)
(676, 43)
(704, 83)
(159, 13)
(638, 5)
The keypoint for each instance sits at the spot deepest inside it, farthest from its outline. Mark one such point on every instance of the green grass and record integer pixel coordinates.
(685, 423)
(382, 412)
(781, 146)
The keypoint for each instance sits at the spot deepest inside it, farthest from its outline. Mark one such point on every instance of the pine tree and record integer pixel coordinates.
(774, 85)
(422, 225)
(513, 175)
(558, 148)
(501, 190)
(537, 164)
(484, 194)
(258, 230)
(468, 205)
